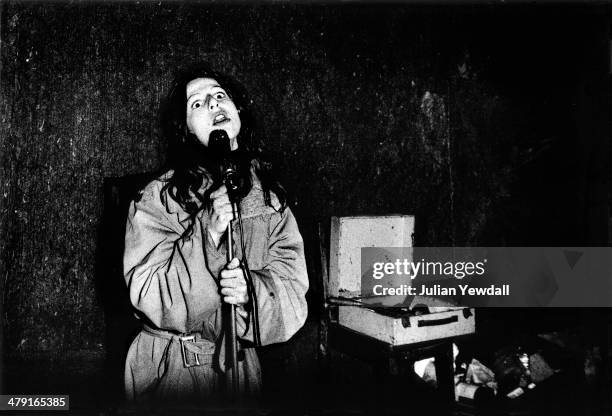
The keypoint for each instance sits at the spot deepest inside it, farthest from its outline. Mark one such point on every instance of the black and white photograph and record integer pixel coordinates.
(340, 207)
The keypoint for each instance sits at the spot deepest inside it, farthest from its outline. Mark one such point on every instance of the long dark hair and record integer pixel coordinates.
(192, 163)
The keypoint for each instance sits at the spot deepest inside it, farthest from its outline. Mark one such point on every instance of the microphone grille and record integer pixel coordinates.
(219, 143)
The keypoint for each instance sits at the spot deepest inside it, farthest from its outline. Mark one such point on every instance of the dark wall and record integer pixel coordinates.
(465, 116)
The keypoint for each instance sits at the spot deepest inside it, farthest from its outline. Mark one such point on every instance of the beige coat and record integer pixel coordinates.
(172, 280)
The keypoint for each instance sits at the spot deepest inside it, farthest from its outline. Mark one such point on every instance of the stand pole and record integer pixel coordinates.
(231, 328)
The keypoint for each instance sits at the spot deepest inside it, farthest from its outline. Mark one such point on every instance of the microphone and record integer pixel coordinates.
(219, 145)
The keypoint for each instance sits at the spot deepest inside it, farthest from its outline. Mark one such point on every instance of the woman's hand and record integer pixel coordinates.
(220, 213)
(233, 284)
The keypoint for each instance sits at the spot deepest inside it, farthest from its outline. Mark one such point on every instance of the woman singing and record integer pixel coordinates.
(175, 261)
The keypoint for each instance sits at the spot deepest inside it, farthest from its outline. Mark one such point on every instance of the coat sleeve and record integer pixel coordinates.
(165, 268)
(281, 284)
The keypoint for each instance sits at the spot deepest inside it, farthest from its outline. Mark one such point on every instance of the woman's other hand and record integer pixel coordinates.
(233, 284)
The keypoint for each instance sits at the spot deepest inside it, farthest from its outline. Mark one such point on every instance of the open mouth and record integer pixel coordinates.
(220, 119)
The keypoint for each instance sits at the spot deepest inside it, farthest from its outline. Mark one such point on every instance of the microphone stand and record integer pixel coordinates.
(232, 339)
(219, 143)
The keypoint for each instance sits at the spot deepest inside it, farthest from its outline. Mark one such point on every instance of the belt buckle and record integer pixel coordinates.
(184, 350)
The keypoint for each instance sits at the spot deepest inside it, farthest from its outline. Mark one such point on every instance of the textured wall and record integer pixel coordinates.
(369, 109)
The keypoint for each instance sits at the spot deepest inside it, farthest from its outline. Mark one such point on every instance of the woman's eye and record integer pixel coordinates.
(196, 104)
(219, 96)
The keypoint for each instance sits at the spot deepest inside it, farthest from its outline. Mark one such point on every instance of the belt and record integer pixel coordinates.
(190, 347)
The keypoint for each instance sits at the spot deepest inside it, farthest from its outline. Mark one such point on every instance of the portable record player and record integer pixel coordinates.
(395, 326)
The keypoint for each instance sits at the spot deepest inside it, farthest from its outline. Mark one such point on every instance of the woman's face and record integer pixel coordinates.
(209, 108)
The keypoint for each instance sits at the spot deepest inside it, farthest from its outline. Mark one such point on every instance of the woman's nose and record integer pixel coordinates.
(212, 103)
